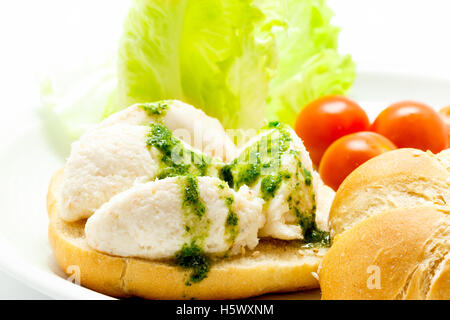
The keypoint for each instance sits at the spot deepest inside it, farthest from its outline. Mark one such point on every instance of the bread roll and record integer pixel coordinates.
(398, 254)
(274, 266)
(403, 178)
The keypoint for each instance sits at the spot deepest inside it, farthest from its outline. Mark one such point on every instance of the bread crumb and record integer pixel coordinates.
(314, 252)
(315, 275)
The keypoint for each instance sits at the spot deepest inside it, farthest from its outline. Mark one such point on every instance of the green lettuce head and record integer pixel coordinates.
(241, 61)
(218, 55)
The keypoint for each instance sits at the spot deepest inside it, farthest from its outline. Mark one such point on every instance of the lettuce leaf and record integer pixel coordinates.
(231, 57)
(241, 61)
(218, 55)
(73, 100)
(309, 63)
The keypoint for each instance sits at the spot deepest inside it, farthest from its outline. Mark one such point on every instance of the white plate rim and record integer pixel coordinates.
(56, 287)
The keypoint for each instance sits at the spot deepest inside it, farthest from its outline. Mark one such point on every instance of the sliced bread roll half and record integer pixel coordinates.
(403, 178)
(398, 254)
(273, 266)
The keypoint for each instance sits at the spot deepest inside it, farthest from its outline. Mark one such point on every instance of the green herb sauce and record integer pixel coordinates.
(196, 222)
(176, 160)
(232, 221)
(193, 258)
(311, 234)
(274, 124)
(260, 159)
(155, 108)
(191, 201)
(307, 176)
(271, 183)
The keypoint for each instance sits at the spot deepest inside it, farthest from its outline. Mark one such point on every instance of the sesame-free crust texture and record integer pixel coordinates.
(403, 178)
(397, 254)
(273, 266)
(390, 228)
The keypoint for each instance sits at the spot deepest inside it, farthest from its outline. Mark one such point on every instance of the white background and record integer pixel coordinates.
(406, 36)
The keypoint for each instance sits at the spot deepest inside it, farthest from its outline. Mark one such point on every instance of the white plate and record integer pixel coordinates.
(27, 164)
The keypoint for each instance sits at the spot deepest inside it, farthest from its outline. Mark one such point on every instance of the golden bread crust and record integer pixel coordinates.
(393, 180)
(399, 254)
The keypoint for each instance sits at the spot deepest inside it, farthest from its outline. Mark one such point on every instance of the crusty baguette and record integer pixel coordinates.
(399, 254)
(274, 266)
(403, 178)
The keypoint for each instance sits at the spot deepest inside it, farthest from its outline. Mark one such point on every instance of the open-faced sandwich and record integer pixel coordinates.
(158, 202)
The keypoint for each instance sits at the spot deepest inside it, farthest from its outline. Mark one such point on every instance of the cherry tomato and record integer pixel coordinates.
(411, 124)
(325, 120)
(348, 153)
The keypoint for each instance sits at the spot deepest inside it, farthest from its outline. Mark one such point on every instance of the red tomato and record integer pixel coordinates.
(327, 119)
(411, 124)
(348, 153)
